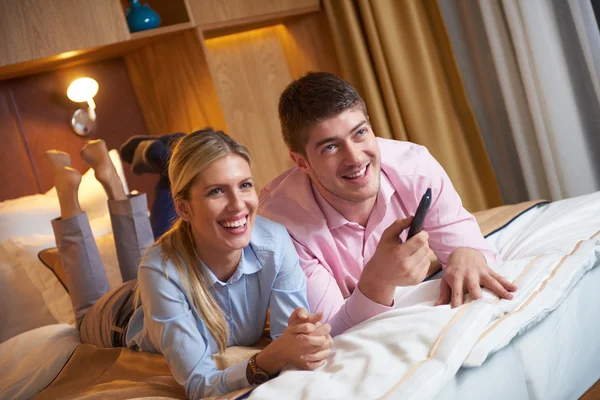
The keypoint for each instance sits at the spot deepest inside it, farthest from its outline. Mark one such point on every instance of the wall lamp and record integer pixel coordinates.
(79, 91)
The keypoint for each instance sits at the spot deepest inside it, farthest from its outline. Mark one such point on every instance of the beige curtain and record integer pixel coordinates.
(398, 55)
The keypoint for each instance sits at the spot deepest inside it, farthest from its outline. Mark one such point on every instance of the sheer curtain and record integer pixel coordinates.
(531, 70)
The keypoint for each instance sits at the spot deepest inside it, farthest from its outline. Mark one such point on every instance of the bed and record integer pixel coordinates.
(551, 351)
(525, 369)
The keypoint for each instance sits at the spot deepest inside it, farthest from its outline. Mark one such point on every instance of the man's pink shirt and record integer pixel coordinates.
(333, 251)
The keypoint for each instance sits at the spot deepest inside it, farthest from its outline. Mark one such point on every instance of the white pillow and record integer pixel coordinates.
(32, 360)
(31, 215)
(28, 269)
(31, 295)
(23, 306)
(27, 216)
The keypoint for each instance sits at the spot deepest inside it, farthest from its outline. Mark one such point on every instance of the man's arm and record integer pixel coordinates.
(467, 271)
(324, 296)
(393, 264)
(456, 239)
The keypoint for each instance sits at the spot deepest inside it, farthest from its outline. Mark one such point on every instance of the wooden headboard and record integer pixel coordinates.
(35, 116)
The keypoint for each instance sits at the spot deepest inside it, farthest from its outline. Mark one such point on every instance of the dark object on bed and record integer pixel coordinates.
(150, 155)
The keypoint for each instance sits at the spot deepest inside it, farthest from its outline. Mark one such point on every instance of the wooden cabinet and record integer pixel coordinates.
(210, 14)
(33, 29)
(221, 63)
(39, 35)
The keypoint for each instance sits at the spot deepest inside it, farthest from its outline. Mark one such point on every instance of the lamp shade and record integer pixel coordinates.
(82, 89)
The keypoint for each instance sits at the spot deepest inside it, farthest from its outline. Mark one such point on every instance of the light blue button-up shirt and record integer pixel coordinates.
(268, 275)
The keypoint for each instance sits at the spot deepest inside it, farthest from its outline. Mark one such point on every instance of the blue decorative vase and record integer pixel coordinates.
(141, 17)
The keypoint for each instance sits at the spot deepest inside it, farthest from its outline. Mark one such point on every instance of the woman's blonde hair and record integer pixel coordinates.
(192, 154)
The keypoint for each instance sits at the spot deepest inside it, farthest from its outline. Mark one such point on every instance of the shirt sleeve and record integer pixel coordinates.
(448, 224)
(289, 287)
(172, 328)
(324, 295)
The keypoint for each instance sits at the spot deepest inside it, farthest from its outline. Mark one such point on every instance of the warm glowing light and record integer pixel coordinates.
(244, 36)
(82, 89)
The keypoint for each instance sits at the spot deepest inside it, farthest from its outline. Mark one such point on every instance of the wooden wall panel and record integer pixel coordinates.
(173, 85)
(32, 29)
(45, 111)
(250, 71)
(17, 177)
(210, 14)
(307, 45)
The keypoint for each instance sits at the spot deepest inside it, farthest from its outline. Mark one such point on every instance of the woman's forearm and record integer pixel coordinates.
(271, 359)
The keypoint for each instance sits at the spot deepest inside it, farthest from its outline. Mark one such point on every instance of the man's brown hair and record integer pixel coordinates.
(313, 98)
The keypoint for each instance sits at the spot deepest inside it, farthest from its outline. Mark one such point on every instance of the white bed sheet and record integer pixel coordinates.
(532, 366)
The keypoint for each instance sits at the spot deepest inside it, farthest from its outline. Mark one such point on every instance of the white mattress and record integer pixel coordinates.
(533, 365)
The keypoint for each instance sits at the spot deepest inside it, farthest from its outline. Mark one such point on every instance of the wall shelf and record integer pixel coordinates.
(171, 12)
(163, 30)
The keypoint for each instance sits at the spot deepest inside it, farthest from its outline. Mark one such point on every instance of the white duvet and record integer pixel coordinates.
(31, 360)
(412, 351)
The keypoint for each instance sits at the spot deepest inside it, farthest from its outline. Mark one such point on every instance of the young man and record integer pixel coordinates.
(349, 200)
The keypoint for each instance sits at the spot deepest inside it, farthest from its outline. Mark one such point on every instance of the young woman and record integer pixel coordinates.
(204, 285)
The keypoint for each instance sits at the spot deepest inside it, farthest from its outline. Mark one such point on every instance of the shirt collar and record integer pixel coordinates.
(248, 265)
(386, 189)
(333, 217)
